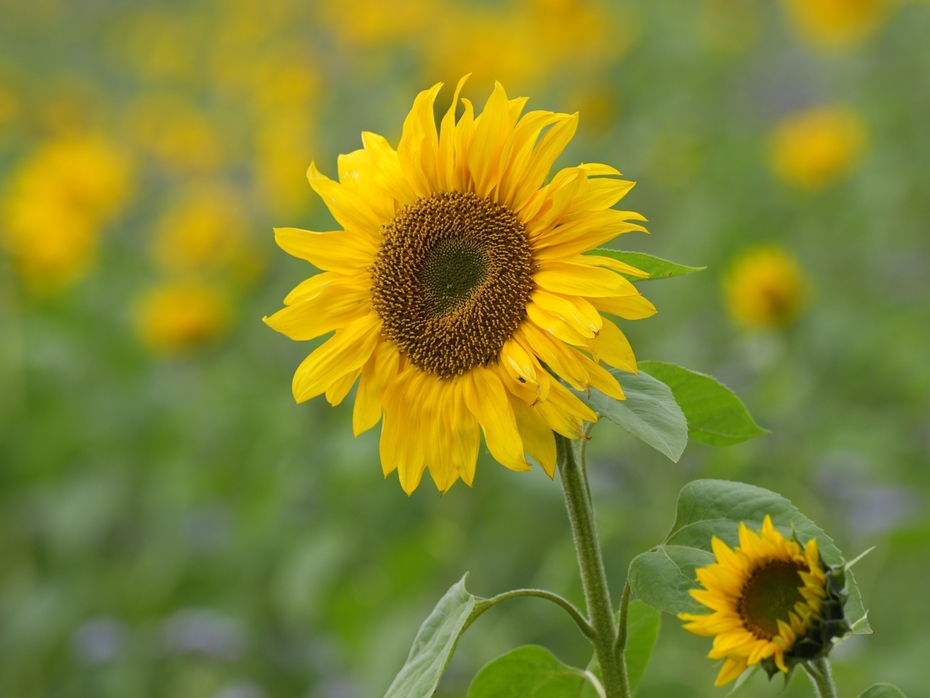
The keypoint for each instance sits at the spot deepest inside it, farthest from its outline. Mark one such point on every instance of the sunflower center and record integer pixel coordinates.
(451, 274)
(451, 281)
(769, 595)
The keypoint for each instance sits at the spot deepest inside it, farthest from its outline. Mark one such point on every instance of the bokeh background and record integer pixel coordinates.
(172, 524)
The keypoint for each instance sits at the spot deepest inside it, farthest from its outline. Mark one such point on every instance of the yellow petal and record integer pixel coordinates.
(491, 130)
(356, 174)
(379, 371)
(574, 310)
(554, 354)
(446, 156)
(612, 347)
(340, 251)
(627, 307)
(538, 439)
(572, 237)
(517, 151)
(599, 377)
(331, 308)
(419, 144)
(464, 433)
(464, 134)
(347, 207)
(601, 193)
(544, 156)
(386, 170)
(556, 326)
(594, 260)
(522, 366)
(488, 401)
(347, 350)
(577, 280)
(313, 286)
(338, 390)
(731, 669)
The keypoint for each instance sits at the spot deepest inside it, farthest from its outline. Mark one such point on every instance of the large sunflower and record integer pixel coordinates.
(459, 283)
(768, 598)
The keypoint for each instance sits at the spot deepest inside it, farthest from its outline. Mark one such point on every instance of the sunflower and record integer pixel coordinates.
(774, 602)
(459, 292)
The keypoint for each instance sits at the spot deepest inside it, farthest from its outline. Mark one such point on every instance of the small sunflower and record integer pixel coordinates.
(458, 283)
(774, 602)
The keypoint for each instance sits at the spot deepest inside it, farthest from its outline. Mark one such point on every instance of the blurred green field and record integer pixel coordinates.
(172, 524)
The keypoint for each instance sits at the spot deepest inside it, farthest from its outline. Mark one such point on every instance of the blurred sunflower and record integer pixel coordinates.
(179, 316)
(816, 148)
(765, 289)
(836, 23)
(766, 595)
(458, 282)
(56, 204)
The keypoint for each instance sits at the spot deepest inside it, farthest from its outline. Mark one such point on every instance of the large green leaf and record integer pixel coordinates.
(654, 266)
(649, 412)
(882, 690)
(715, 415)
(434, 644)
(528, 672)
(642, 633)
(664, 576)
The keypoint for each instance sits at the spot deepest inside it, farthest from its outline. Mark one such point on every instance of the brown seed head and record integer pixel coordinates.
(451, 281)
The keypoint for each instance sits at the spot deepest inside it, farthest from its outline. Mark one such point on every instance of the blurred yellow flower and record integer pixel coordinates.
(205, 230)
(283, 146)
(836, 23)
(765, 288)
(373, 22)
(816, 148)
(56, 204)
(9, 105)
(176, 132)
(525, 43)
(177, 317)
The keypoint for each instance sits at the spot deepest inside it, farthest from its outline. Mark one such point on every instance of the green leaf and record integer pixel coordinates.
(649, 412)
(528, 672)
(434, 644)
(654, 266)
(882, 690)
(642, 633)
(715, 415)
(664, 576)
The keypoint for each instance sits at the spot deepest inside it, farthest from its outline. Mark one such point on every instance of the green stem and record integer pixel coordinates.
(593, 577)
(620, 644)
(569, 607)
(819, 671)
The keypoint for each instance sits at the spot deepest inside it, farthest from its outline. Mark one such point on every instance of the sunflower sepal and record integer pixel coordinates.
(825, 633)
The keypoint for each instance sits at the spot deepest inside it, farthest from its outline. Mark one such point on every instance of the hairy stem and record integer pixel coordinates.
(822, 677)
(593, 577)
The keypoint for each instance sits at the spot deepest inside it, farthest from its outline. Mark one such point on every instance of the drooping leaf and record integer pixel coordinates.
(664, 576)
(882, 690)
(654, 266)
(649, 412)
(715, 415)
(528, 672)
(434, 644)
(642, 633)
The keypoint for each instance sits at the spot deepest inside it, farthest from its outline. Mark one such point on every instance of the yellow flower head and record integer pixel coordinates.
(836, 23)
(766, 594)
(176, 317)
(204, 231)
(57, 202)
(817, 148)
(457, 277)
(765, 289)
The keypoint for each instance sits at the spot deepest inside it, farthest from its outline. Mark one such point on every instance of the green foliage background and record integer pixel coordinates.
(179, 527)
